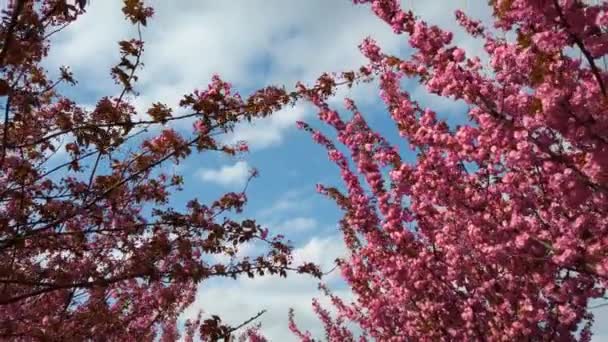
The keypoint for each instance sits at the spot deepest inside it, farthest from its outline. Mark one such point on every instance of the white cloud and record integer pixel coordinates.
(288, 203)
(298, 224)
(249, 249)
(90, 46)
(262, 133)
(600, 328)
(289, 215)
(238, 300)
(322, 251)
(227, 175)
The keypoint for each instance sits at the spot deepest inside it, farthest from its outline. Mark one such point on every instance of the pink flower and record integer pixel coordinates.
(200, 127)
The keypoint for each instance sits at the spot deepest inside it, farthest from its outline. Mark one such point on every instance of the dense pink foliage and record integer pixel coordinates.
(499, 230)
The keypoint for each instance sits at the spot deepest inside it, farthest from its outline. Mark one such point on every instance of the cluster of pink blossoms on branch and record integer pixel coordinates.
(499, 230)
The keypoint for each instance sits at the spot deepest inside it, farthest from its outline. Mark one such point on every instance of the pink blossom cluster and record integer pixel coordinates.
(505, 230)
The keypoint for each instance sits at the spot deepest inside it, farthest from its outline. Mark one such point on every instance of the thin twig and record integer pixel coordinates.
(247, 321)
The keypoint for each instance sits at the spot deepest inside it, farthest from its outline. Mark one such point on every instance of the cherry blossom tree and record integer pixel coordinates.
(499, 229)
(90, 248)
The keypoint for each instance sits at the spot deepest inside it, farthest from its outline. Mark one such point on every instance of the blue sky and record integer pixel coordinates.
(251, 44)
